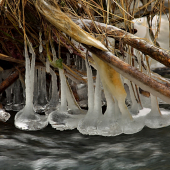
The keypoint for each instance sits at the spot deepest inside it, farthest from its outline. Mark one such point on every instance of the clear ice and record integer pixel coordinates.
(27, 119)
(18, 103)
(157, 118)
(65, 117)
(108, 124)
(88, 125)
(4, 116)
(40, 103)
(54, 100)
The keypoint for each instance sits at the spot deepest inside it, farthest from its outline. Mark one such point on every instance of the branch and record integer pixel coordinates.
(147, 48)
(145, 82)
(10, 80)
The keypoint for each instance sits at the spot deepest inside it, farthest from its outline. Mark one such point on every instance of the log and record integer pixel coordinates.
(145, 47)
(133, 74)
(10, 80)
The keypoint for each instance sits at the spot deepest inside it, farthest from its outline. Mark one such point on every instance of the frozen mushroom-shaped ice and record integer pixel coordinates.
(88, 125)
(157, 118)
(108, 124)
(65, 118)
(112, 79)
(27, 119)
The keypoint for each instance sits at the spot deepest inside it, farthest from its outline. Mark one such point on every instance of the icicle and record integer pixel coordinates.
(75, 112)
(53, 51)
(157, 118)
(54, 101)
(40, 39)
(109, 122)
(27, 119)
(35, 97)
(83, 65)
(63, 119)
(135, 107)
(8, 91)
(88, 125)
(17, 100)
(41, 102)
(82, 94)
(63, 107)
(112, 79)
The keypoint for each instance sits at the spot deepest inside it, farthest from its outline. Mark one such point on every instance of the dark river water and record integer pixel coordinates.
(49, 149)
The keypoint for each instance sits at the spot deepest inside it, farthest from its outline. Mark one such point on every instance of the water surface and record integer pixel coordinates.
(49, 149)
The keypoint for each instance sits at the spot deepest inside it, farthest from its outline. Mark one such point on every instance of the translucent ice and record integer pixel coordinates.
(54, 100)
(108, 124)
(27, 119)
(88, 125)
(64, 118)
(4, 116)
(113, 81)
(40, 103)
(135, 107)
(18, 103)
(157, 118)
(8, 91)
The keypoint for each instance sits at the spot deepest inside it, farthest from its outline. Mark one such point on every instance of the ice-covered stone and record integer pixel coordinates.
(4, 116)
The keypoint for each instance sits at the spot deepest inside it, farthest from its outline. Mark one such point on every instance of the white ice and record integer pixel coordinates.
(40, 103)
(135, 107)
(4, 116)
(88, 125)
(65, 118)
(8, 91)
(108, 124)
(157, 118)
(18, 103)
(27, 119)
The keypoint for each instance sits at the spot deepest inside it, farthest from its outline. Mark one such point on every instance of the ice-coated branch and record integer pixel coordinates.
(133, 74)
(145, 47)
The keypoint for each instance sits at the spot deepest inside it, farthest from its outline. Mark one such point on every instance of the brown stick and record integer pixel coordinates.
(14, 60)
(147, 48)
(145, 82)
(10, 79)
(11, 59)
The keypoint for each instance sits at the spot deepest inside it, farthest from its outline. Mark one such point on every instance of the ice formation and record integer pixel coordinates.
(157, 118)
(65, 113)
(65, 117)
(40, 103)
(88, 125)
(18, 103)
(112, 79)
(8, 91)
(108, 124)
(54, 100)
(27, 119)
(4, 116)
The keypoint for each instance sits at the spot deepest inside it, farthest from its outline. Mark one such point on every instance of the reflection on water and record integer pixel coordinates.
(49, 149)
